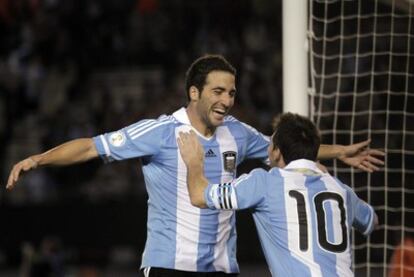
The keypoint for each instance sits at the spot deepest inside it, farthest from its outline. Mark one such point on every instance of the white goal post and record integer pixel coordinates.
(295, 56)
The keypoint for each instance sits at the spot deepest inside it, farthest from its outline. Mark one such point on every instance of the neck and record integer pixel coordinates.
(198, 123)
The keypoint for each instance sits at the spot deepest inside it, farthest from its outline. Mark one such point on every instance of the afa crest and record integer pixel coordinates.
(229, 160)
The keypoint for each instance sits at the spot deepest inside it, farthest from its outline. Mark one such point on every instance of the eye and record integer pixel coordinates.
(232, 93)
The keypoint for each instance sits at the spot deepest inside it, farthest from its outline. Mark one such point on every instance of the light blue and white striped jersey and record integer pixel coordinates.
(303, 217)
(181, 236)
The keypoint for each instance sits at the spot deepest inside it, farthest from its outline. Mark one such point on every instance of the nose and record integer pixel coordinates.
(227, 100)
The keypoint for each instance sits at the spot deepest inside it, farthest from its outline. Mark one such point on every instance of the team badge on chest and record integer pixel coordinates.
(229, 160)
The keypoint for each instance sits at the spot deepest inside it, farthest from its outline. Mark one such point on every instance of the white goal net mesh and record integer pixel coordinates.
(362, 86)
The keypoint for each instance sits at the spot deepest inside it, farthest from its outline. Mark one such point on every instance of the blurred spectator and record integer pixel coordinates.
(47, 261)
(402, 260)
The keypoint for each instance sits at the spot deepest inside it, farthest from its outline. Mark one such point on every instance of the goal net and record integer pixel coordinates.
(362, 86)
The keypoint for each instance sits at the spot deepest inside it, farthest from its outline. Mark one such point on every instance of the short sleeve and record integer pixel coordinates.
(143, 138)
(247, 191)
(363, 214)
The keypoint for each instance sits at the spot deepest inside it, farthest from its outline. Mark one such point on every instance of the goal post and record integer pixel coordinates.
(295, 56)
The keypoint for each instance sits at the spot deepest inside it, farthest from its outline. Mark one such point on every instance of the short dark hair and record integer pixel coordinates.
(296, 137)
(197, 73)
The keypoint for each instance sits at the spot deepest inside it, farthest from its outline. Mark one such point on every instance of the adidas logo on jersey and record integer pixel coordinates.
(210, 153)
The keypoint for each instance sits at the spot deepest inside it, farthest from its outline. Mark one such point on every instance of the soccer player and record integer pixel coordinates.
(182, 238)
(303, 215)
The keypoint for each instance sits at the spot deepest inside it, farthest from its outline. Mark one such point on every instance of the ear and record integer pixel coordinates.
(194, 93)
(276, 154)
(277, 157)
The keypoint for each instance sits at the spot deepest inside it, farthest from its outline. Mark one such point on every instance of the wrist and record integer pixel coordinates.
(340, 151)
(197, 169)
(34, 160)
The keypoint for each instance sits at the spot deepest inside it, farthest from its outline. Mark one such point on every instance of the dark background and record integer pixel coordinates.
(76, 68)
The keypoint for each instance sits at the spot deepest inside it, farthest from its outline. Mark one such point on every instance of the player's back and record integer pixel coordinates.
(304, 223)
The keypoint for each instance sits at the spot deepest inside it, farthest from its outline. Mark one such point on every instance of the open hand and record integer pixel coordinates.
(191, 149)
(360, 156)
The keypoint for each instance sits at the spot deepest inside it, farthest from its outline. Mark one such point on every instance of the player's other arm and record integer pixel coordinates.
(192, 153)
(365, 218)
(71, 152)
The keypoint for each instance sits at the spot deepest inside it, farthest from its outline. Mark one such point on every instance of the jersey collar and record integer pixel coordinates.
(303, 164)
(182, 116)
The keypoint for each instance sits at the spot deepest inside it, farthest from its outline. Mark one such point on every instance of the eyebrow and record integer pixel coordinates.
(223, 89)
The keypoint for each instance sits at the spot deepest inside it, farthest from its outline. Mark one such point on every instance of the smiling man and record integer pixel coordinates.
(211, 103)
(183, 240)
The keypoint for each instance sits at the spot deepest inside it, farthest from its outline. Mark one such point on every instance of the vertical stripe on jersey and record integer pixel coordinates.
(343, 260)
(188, 218)
(322, 257)
(297, 182)
(222, 262)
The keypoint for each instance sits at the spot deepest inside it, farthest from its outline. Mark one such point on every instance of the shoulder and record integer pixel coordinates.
(260, 172)
(231, 121)
(340, 184)
(145, 126)
(347, 190)
(257, 175)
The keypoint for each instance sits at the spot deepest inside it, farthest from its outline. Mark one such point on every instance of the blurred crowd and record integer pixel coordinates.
(71, 69)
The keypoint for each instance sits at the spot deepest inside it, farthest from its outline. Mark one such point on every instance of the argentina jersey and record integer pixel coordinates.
(303, 217)
(179, 235)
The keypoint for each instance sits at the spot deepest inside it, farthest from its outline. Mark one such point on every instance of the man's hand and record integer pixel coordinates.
(71, 152)
(192, 153)
(24, 165)
(359, 156)
(191, 149)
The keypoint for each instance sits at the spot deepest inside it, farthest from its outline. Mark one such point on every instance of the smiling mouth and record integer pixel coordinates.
(221, 112)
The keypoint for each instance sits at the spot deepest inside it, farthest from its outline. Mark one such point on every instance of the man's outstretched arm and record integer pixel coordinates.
(71, 152)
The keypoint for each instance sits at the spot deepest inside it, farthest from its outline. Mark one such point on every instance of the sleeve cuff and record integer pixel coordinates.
(371, 224)
(103, 148)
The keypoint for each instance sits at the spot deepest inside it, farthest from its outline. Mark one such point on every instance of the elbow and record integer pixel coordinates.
(197, 201)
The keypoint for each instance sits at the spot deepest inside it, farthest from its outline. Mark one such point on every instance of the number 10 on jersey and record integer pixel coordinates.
(318, 209)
